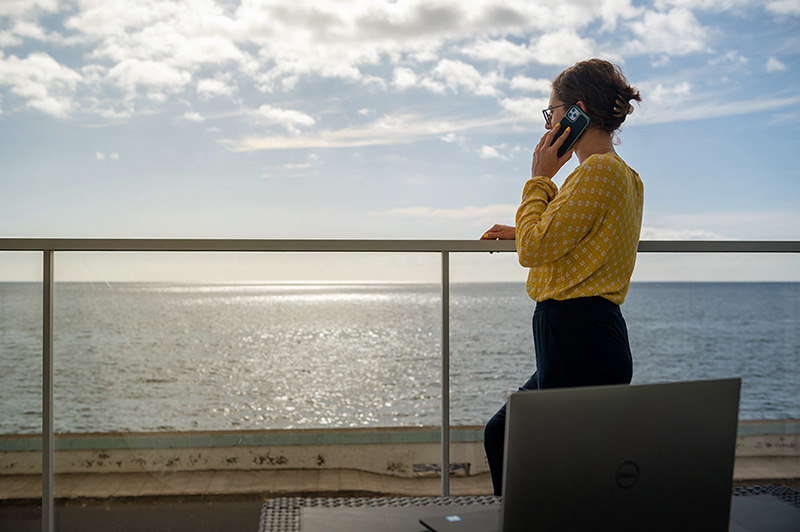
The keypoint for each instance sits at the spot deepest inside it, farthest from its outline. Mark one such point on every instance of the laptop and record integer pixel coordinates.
(647, 457)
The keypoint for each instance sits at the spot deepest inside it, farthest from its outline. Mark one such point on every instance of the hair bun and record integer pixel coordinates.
(623, 107)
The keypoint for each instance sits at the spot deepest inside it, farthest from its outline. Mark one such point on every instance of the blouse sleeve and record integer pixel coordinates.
(551, 224)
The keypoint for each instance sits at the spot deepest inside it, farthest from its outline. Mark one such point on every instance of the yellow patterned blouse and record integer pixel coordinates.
(581, 241)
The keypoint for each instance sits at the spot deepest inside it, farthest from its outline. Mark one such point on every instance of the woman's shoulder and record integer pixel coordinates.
(606, 164)
(601, 170)
(609, 159)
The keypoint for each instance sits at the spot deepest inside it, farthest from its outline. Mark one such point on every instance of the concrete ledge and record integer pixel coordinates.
(768, 438)
(406, 452)
(261, 484)
(27, 489)
(402, 452)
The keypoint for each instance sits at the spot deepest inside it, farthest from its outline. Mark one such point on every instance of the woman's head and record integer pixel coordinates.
(603, 90)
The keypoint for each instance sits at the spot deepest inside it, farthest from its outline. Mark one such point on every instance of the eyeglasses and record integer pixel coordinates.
(548, 113)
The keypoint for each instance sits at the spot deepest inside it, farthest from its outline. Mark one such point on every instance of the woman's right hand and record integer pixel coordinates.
(500, 232)
(546, 161)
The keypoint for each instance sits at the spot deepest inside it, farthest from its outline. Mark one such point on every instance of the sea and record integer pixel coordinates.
(187, 357)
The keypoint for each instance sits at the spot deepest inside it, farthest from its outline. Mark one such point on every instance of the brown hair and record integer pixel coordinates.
(602, 88)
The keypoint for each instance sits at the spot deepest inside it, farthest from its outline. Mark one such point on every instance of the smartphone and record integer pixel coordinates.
(578, 121)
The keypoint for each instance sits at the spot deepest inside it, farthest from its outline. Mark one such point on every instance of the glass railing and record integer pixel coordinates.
(433, 304)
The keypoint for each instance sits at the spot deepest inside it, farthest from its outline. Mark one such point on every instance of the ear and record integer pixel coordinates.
(581, 105)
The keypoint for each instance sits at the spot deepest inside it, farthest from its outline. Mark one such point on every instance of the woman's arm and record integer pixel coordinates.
(548, 225)
(545, 163)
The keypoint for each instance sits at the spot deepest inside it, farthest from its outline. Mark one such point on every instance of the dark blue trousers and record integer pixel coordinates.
(578, 342)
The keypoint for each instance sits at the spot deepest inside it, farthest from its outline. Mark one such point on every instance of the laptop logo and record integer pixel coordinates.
(627, 474)
(453, 518)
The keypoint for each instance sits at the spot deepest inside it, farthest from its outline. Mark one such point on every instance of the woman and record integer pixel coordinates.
(580, 243)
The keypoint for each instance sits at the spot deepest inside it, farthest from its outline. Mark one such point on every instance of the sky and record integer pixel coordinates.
(382, 119)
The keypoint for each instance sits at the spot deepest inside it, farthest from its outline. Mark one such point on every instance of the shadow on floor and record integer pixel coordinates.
(168, 515)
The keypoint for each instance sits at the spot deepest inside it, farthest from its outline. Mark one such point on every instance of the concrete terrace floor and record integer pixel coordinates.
(231, 501)
(194, 501)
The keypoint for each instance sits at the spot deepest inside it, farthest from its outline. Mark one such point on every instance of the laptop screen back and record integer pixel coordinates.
(651, 457)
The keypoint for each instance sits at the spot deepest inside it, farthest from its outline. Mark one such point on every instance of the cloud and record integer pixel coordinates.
(669, 94)
(733, 57)
(154, 49)
(703, 5)
(390, 129)
(526, 109)
(9, 40)
(676, 32)
(494, 152)
(161, 47)
(500, 50)
(208, 49)
(453, 137)
(459, 75)
(210, 88)
(44, 83)
(489, 152)
(404, 78)
(773, 65)
(562, 47)
(540, 86)
(181, 33)
(133, 73)
(17, 8)
(783, 7)
(288, 118)
(193, 116)
(25, 29)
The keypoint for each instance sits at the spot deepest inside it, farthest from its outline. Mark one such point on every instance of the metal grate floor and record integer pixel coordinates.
(283, 514)
(785, 493)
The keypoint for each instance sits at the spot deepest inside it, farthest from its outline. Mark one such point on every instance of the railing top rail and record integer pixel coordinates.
(374, 246)
(239, 245)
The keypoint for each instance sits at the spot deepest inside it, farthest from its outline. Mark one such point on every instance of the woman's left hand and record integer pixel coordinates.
(500, 232)
(546, 161)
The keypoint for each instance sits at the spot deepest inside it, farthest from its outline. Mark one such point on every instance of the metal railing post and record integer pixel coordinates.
(48, 437)
(445, 374)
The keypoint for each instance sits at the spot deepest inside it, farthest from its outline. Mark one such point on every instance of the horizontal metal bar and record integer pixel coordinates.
(369, 246)
(234, 245)
(719, 246)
